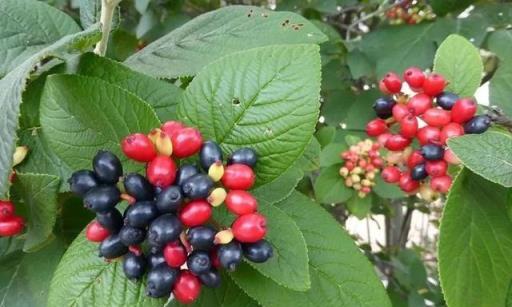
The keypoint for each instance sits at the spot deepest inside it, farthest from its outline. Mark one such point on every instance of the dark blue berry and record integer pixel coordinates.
(132, 236)
(230, 255)
(211, 278)
(383, 107)
(82, 181)
(446, 100)
(138, 187)
(478, 124)
(209, 154)
(160, 280)
(185, 172)
(102, 199)
(141, 214)
(201, 237)
(245, 156)
(107, 167)
(432, 152)
(112, 247)
(155, 259)
(258, 252)
(164, 229)
(419, 172)
(134, 266)
(111, 220)
(198, 262)
(198, 186)
(169, 200)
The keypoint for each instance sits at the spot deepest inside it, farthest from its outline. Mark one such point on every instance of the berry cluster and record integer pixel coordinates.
(431, 116)
(362, 163)
(409, 12)
(10, 223)
(165, 230)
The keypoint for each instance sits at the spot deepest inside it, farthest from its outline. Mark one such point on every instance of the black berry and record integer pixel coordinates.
(230, 255)
(160, 281)
(102, 199)
(107, 167)
(141, 214)
(245, 156)
(138, 187)
(111, 220)
(155, 259)
(211, 278)
(209, 154)
(132, 236)
(185, 172)
(419, 172)
(446, 100)
(82, 181)
(134, 266)
(112, 247)
(478, 124)
(201, 237)
(258, 252)
(169, 200)
(198, 262)
(164, 229)
(383, 107)
(432, 152)
(198, 186)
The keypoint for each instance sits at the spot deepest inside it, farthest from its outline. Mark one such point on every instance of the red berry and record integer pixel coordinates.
(175, 254)
(186, 142)
(429, 134)
(376, 127)
(383, 88)
(434, 84)
(451, 130)
(436, 168)
(415, 77)
(249, 228)
(400, 111)
(187, 288)
(392, 82)
(240, 202)
(161, 171)
(450, 157)
(195, 213)
(95, 232)
(138, 147)
(409, 126)
(436, 117)
(407, 184)
(414, 159)
(171, 127)
(383, 138)
(463, 110)
(391, 174)
(238, 177)
(441, 184)
(419, 103)
(397, 142)
(377, 162)
(6, 209)
(12, 226)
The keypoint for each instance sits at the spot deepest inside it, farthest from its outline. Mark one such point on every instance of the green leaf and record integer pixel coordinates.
(13, 85)
(265, 98)
(185, 51)
(353, 111)
(331, 154)
(387, 190)
(360, 207)
(409, 270)
(459, 62)
(330, 187)
(442, 7)
(310, 160)
(84, 279)
(27, 27)
(340, 274)
(500, 42)
(325, 135)
(475, 243)
(487, 154)
(90, 13)
(161, 95)
(80, 115)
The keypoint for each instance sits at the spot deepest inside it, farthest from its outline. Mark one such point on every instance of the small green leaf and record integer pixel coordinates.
(331, 154)
(459, 62)
(487, 154)
(330, 186)
(325, 135)
(387, 190)
(360, 207)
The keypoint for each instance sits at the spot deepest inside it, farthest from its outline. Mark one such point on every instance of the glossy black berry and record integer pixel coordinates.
(201, 237)
(112, 247)
(209, 154)
(258, 252)
(111, 220)
(155, 259)
(102, 199)
(383, 107)
(211, 278)
(160, 281)
(134, 266)
(432, 152)
(107, 167)
(132, 236)
(82, 181)
(478, 124)
(138, 187)
(198, 262)
(446, 100)
(169, 200)
(185, 172)
(198, 186)
(164, 229)
(230, 255)
(141, 214)
(419, 172)
(245, 156)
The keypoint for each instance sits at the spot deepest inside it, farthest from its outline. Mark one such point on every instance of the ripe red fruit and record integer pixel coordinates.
(409, 126)
(451, 130)
(241, 202)
(187, 288)
(138, 147)
(238, 177)
(419, 103)
(161, 171)
(441, 184)
(429, 134)
(186, 142)
(249, 228)
(171, 127)
(195, 213)
(175, 254)
(463, 110)
(407, 184)
(6, 209)
(400, 111)
(414, 159)
(397, 142)
(436, 168)
(11, 226)
(437, 117)
(383, 88)
(383, 138)
(415, 77)
(434, 84)
(95, 232)
(391, 174)
(392, 82)
(376, 127)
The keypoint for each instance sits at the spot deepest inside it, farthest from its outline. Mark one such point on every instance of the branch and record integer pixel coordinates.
(498, 116)
(107, 14)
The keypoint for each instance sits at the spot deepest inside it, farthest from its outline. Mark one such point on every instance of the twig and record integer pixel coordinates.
(107, 14)
(498, 116)
(382, 9)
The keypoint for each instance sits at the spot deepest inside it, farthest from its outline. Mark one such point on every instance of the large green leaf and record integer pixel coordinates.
(488, 155)
(340, 273)
(265, 98)
(442, 7)
(459, 62)
(475, 243)
(330, 186)
(353, 111)
(500, 42)
(28, 26)
(13, 85)
(161, 95)
(80, 115)
(208, 37)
